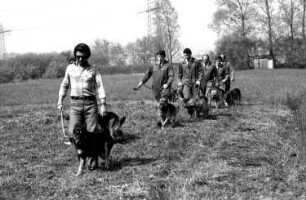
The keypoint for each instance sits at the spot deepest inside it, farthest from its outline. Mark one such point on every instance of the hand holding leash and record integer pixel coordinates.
(60, 108)
(62, 123)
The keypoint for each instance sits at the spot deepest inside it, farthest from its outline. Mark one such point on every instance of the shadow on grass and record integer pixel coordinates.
(201, 118)
(125, 162)
(128, 138)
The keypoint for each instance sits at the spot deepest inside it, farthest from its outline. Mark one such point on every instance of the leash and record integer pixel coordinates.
(62, 123)
(149, 88)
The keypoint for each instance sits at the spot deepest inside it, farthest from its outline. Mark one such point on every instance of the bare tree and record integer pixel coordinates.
(100, 52)
(266, 19)
(235, 17)
(167, 29)
(288, 14)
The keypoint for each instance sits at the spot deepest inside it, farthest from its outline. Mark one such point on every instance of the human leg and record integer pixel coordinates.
(91, 118)
(76, 115)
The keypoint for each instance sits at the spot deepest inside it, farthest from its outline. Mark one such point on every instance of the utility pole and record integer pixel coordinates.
(2, 42)
(152, 6)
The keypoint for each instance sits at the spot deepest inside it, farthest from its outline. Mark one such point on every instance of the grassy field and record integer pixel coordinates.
(247, 152)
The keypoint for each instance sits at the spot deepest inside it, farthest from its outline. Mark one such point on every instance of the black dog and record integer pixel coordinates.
(91, 145)
(233, 97)
(100, 143)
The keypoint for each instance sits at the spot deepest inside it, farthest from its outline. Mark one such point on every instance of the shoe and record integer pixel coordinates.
(68, 143)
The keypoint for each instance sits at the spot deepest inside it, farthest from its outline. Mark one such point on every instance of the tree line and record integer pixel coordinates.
(249, 28)
(246, 29)
(111, 57)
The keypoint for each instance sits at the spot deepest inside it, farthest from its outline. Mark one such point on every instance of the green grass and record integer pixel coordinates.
(247, 152)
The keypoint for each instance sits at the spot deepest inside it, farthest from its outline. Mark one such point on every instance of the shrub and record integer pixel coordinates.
(56, 68)
(6, 76)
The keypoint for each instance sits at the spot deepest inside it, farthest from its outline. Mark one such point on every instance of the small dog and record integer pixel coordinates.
(200, 108)
(100, 143)
(168, 113)
(233, 97)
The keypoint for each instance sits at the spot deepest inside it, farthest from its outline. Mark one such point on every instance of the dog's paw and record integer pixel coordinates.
(158, 123)
(107, 164)
(78, 173)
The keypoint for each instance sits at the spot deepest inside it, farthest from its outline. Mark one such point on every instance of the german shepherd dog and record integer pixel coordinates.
(216, 97)
(168, 113)
(233, 97)
(199, 109)
(100, 143)
(173, 96)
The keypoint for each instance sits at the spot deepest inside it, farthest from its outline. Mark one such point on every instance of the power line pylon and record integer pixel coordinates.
(2, 42)
(152, 7)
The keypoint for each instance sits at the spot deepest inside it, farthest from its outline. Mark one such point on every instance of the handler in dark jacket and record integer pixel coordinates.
(162, 77)
(226, 64)
(190, 74)
(223, 73)
(210, 74)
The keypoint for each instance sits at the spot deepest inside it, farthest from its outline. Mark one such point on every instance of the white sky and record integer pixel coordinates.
(58, 25)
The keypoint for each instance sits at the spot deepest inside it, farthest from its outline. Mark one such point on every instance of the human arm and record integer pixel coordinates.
(170, 76)
(63, 89)
(101, 95)
(146, 77)
(232, 73)
(180, 74)
(200, 73)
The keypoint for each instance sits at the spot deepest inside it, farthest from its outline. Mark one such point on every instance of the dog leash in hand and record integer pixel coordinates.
(62, 123)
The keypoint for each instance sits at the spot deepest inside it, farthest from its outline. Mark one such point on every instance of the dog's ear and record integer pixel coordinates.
(112, 123)
(121, 121)
(72, 140)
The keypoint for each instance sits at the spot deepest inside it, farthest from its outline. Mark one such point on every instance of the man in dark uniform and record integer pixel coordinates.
(190, 74)
(223, 76)
(162, 77)
(226, 64)
(210, 75)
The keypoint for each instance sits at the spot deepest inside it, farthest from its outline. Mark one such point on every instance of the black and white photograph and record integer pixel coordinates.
(153, 99)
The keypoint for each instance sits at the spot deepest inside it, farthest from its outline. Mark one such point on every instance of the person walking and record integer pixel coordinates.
(162, 77)
(86, 93)
(190, 74)
(231, 70)
(210, 75)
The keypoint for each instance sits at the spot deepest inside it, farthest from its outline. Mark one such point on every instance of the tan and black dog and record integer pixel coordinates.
(215, 97)
(97, 144)
(168, 113)
(199, 109)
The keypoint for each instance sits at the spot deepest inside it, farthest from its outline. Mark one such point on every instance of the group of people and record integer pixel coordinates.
(195, 77)
(87, 91)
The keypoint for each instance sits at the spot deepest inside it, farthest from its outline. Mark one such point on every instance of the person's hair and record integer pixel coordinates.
(161, 53)
(83, 48)
(187, 51)
(205, 55)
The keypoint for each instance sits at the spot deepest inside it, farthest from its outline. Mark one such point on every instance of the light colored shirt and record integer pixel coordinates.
(82, 81)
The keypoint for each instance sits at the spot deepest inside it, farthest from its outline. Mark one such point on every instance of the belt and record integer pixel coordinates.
(88, 98)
